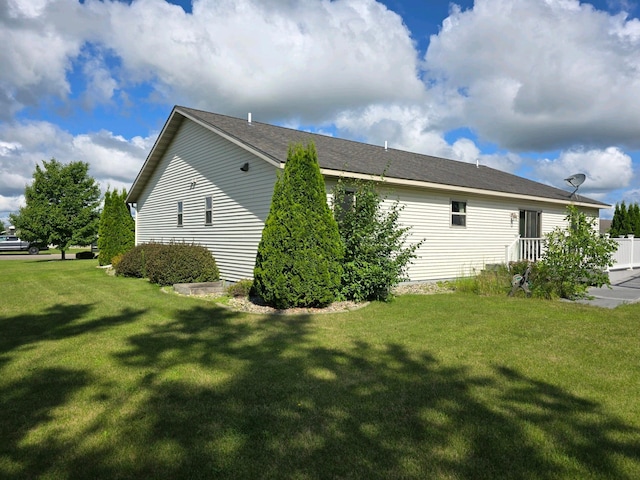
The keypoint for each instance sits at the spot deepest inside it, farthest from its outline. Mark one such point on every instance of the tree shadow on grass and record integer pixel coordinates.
(229, 396)
(25, 405)
(55, 323)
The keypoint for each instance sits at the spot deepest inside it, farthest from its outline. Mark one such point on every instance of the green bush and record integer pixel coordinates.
(115, 261)
(133, 263)
(576, 257)
(299, 256)
(376, 252)
(85, 255)
(181, 263)
(242, 288)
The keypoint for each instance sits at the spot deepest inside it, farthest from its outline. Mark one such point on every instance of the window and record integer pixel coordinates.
(208, 210)
(458, 213)
(180, 214)
(347, 203)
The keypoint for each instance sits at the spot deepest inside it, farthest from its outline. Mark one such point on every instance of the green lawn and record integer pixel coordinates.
(105, 377)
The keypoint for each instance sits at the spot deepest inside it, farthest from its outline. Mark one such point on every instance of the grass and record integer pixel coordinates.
(106, 377)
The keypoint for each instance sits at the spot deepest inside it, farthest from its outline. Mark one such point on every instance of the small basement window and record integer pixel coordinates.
(208, 210)
(180, 213)
(458, 213)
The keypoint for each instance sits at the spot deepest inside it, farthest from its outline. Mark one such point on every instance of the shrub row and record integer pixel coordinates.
(167, 264)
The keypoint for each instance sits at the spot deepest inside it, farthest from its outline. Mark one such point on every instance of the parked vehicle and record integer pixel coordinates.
(11, 243)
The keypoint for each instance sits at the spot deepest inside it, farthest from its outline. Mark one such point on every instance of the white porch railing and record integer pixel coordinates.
(628, 254)
(529, 249)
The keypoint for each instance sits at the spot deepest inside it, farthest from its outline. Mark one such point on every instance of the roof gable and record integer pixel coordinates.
(350, 158)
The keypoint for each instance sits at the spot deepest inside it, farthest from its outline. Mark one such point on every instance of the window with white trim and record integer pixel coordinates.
(458, 213)
(180, 216)
(208, 210)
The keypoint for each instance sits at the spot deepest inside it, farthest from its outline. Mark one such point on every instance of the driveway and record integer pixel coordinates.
(625, 288)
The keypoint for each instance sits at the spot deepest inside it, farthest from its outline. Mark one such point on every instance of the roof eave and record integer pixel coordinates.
(458, 189)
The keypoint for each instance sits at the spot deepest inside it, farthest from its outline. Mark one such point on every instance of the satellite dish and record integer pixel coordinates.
(575, 181)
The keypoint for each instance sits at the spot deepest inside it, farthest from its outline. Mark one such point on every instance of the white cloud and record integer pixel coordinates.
(523, 74)
(39, 39)
(632, 196)
(538, 75)
(113, 160)
(606, 170)
(101, 84)
(276, 58)
(414, 128)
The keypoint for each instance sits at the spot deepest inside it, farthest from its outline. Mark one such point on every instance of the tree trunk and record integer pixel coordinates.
(62, 252)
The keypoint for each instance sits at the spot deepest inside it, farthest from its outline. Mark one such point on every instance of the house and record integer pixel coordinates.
(209, 180)
(605, 226)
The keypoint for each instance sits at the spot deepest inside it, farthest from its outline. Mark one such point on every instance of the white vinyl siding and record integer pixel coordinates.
(455, 252)
(197, 164)
(180, 214)
(458, 213)
(208, 210)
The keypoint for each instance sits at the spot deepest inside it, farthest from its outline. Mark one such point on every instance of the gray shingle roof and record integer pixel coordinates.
(349, 156)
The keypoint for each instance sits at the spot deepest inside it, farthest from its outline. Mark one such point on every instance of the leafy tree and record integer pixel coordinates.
(375, 250)
(61, 206)
(299, 255)
(2, 228)
(116, 230)
(576, 257)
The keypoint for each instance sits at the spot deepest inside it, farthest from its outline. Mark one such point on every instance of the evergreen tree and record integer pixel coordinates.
(116, 232)
(61, 206)
(635, 219)
(625, 220)
(614, 229)
(299, 255)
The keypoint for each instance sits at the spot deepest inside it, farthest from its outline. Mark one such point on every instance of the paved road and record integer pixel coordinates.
(625, 288)
(40, 256)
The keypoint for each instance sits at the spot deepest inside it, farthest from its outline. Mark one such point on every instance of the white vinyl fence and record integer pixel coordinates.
(628, 254)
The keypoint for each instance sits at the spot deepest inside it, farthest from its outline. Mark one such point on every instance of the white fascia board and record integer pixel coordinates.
(453, 188)
(152, 159)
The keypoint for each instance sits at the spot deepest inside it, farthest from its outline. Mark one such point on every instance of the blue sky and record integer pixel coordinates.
(540, 88)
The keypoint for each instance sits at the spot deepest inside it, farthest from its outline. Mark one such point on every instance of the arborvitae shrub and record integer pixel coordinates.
(116, 232)
(299, 256)
(181, 263)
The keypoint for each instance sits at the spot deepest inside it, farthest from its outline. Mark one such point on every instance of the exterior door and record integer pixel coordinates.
(530, 233)
(530, 224)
